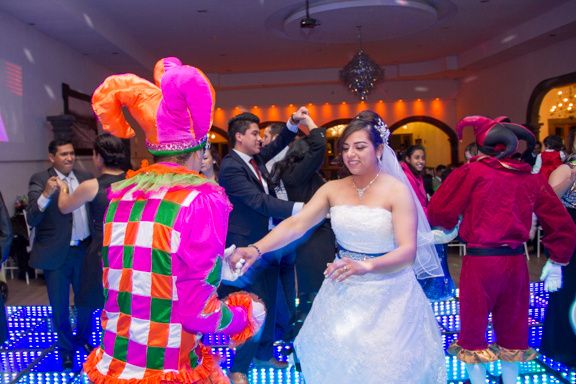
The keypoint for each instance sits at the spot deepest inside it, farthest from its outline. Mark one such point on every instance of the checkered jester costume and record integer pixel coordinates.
(164, 236)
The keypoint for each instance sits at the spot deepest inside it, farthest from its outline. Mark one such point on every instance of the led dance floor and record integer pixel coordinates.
(28, 355)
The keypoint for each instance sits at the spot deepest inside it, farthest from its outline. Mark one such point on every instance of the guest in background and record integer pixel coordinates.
(5, 241)
(246, 180)
(60, 245)
(210, 163)
(558, 338)
(551, 158)
(21, 244)
(470, 151)
(109, 155)
(299, 171)
(529, 156)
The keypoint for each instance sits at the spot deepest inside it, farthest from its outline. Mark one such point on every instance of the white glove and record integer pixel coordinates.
(533, 227)
(258, 313)
(443, 237)
(227, 272)
(552, 276)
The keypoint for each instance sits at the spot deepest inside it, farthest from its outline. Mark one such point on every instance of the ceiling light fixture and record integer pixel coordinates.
(308, 22)
(361, 73)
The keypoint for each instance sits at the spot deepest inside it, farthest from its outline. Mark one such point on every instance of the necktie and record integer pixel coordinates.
(78, 222)
(255, 166)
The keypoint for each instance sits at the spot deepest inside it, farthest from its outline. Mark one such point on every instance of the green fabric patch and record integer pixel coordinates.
(226, 318)
(167, 213)
(104, 253)
(137, 209)
(161, 262)
(214, 276)
(120, 348)
(111, 212)
(128, 257)
(193, 358)
(160, 310)
(155, 357)
(125, 302)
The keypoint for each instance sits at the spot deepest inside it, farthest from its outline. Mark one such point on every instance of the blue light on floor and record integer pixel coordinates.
(27, 356)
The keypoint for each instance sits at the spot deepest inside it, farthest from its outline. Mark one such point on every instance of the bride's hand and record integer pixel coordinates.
(342, 269)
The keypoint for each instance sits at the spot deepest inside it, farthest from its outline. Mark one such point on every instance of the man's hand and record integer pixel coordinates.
(552, 276)
(243, 258)
(299, 115)
(51, 187)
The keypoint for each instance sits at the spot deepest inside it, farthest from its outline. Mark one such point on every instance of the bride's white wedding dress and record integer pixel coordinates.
(376, 328)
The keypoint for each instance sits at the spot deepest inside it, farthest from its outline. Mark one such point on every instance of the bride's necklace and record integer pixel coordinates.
(362, 191)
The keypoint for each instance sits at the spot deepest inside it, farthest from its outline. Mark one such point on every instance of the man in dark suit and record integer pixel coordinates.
(246, 180)
(60, 245)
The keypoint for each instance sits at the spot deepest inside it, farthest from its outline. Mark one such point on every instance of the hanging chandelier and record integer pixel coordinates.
(361, 73)
(565, 103)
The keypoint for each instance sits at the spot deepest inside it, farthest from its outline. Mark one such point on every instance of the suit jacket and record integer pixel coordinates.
(302, 180)
(53, 230)
(252, 205)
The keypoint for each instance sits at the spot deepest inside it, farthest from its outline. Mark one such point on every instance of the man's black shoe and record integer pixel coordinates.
(67, 361)
(87, 347)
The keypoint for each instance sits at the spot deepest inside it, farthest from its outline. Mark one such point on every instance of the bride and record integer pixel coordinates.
(370, 322)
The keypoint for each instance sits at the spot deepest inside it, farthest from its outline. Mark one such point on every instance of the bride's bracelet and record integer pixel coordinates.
(256, 248)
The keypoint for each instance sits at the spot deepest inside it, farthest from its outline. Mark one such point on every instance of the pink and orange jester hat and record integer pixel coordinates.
(496, 137)
(175, 113)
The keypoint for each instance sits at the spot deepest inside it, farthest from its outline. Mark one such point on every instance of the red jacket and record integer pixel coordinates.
(496, 199)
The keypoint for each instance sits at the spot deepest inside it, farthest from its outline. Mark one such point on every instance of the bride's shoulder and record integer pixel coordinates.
(391, 182)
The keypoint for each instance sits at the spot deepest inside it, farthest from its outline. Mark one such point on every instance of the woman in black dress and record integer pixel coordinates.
(109, 157)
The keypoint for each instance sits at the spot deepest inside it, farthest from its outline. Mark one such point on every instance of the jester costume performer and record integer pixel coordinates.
(495, 196)
(164, 236)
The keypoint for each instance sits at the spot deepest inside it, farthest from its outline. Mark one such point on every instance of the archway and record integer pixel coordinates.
(544, 121)
(435, 141)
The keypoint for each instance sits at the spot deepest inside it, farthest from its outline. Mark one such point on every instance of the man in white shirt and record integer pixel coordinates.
(60, 245)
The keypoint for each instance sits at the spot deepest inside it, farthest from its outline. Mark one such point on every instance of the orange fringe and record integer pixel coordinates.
(492, 353)
(161, 169)
(208, 372)
(244, 300)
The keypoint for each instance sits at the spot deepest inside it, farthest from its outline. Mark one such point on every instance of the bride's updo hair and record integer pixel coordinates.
(111, 149)
(366, 120)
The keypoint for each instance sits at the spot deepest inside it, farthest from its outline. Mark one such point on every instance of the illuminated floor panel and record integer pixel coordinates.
(28, 356)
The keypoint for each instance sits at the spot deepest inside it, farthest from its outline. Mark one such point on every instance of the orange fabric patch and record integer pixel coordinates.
(105, 277)
(107, 234)
(131, 233)
(158, 335)
(116, 368)
(212, 305)
(123, 326)
(161, 237)
(161, 286)
(177, 196)
(125, 281)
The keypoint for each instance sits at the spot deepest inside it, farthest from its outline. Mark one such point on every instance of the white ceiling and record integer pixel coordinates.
(414, 38)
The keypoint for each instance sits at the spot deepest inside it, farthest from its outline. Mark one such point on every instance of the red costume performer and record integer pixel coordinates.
(495, 196)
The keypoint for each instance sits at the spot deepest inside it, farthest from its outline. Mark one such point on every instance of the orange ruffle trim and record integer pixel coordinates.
(244, 300)
(208, 372)
(161, 169)
(492, 353)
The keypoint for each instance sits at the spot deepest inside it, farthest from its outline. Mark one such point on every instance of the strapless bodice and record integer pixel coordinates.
(363, 229)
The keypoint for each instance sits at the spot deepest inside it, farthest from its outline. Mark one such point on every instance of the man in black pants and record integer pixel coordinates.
(60, 245)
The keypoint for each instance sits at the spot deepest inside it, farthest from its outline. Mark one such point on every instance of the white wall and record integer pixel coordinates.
(505, 89)
(32, 69)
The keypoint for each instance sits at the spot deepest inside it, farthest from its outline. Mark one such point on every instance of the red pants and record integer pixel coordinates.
(497, 284)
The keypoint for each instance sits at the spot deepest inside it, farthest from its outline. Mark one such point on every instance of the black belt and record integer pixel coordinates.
(496, 251)
(78, 243)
